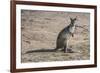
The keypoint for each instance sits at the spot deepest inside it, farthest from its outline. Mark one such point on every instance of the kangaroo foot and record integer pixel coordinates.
(68, 50)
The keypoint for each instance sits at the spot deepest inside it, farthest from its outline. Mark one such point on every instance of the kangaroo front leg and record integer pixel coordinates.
(72, 34)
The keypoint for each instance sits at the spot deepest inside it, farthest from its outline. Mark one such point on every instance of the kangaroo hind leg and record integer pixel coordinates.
(65, 48)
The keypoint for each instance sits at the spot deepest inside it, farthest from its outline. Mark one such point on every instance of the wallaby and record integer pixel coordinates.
(64, 35)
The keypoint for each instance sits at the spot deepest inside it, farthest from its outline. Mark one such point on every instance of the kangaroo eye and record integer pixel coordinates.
(75, 19)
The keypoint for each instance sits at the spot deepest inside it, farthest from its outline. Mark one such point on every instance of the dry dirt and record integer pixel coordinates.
(39, 31)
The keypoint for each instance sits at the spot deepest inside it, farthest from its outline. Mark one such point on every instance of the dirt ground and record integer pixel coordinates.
(39, 31)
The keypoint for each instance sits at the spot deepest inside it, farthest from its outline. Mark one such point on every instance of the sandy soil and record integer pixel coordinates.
(39, 30)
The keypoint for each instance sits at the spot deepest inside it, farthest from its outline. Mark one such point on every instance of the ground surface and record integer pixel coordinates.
(39, 30)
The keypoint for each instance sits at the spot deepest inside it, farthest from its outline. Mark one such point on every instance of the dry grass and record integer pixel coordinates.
(39, 30)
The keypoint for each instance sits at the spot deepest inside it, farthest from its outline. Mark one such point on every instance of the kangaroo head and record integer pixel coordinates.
(73, 21)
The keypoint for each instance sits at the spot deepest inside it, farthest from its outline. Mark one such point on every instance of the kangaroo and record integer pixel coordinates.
(64, 35)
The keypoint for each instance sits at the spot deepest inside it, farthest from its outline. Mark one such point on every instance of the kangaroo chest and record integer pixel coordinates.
(72, 29)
